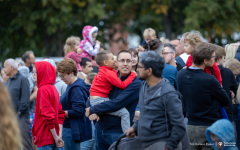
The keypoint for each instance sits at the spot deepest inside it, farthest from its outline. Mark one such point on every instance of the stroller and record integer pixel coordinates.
(125, 143)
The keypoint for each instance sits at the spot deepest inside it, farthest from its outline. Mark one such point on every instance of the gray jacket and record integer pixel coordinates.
(18, 87)
(161, 116)
(60, 86)
(25, 72)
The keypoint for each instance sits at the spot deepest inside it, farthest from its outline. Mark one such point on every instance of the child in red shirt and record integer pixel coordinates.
(104, 81)
(190, 42)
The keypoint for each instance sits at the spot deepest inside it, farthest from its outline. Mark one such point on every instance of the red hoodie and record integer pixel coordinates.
(48, 111)
(216, 71)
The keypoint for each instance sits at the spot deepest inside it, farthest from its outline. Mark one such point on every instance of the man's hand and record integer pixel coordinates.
(66, 112)
(93, 117)
(87, 112)
(232, 94)
(130, 132)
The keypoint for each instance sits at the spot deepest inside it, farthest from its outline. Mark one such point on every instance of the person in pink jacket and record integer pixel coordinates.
(89, 40)
(72, 50)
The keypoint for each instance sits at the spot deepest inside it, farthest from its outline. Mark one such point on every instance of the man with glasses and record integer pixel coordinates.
(160, 125)
(169, 53)
(108, 128)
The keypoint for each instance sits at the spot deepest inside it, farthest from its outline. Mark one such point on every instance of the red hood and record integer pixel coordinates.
(46, 73)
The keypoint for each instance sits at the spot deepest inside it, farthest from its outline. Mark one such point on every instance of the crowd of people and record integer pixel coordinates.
(170, 95)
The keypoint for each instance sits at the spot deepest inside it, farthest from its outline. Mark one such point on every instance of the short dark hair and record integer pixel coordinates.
(202, 51)
(170, 46)
(154, 44)
(220, 52)
(123, 51)
(26, 55)
(152, 60)
(101, 56)
(84, 61)
(67, 66)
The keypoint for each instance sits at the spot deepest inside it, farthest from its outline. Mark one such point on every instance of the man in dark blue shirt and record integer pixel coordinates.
(18, 87)
(202, 95)
(108, 128)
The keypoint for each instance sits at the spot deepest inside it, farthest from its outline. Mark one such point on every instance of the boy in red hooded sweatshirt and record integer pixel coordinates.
(49, 116)
(190, 42)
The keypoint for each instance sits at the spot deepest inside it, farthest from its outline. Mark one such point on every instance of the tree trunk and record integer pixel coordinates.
(167, 25)
(61, 44)
(48, 50)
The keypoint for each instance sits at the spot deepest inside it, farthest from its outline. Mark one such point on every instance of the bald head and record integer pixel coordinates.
(11, 62)
(10, 67)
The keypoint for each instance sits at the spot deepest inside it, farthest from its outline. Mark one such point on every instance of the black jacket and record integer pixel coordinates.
(202, 96)
(228, 83)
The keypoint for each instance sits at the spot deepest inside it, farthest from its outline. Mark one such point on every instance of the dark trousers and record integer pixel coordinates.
(197, 137)
(24, 125)
(105, 140)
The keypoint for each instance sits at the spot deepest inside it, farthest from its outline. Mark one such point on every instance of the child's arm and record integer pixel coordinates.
(90, 50)
(114, 80)
(216, 73)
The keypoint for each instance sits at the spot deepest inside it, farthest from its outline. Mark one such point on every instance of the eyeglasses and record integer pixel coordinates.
(62, 76)
(122, 61)
(165, 53)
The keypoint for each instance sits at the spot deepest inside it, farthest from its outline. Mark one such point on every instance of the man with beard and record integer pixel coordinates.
(108, 128)
(160, 125)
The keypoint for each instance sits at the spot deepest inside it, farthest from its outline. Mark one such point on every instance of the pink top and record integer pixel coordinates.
(76, 57)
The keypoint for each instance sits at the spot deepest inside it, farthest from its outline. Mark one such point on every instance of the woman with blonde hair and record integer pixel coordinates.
(231, 50)
(233, 65)
(10, 138)
(72, 50)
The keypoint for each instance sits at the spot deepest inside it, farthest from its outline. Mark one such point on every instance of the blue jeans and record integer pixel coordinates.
(90, 144)
(69, 143)
(105, 140)
(49, 147)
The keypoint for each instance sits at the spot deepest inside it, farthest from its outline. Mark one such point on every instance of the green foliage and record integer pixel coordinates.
(217, 17)
(44, 25)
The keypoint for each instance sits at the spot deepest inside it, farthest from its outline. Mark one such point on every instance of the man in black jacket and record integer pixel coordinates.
(202, 95)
